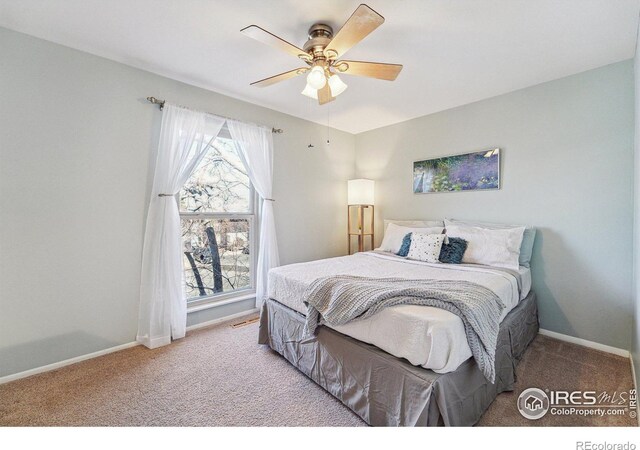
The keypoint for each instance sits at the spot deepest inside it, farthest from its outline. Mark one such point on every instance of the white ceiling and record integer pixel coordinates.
(454, 51)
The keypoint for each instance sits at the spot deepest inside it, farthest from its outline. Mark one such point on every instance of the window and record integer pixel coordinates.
(217, 211)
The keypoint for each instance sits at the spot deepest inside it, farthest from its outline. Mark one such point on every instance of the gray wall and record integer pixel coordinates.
(76, 139)
(567, 149)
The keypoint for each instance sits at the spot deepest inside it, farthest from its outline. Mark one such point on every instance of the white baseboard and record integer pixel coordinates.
(106, 351)
(66, 362)
(585, 343)
(208, 323)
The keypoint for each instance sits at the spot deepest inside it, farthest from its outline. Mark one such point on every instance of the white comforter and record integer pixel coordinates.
(426, 336)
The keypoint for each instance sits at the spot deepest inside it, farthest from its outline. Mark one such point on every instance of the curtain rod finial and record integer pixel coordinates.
(155, 101)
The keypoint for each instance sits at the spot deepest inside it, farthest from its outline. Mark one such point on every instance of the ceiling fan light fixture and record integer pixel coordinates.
(316, 78)
(321, 53)
(336, 85)
(310, 92)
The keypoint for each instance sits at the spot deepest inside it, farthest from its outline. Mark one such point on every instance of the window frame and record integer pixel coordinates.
(252, 217)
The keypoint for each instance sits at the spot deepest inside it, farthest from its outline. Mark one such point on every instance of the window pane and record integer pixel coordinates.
(216, 256)
(219, 183)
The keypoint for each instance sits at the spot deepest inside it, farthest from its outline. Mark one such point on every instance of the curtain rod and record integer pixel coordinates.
(160, 103)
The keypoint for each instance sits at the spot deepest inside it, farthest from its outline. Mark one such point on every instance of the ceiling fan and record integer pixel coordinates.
(322, 53)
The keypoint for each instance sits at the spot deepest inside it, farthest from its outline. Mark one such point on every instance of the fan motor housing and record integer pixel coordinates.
(320, 35)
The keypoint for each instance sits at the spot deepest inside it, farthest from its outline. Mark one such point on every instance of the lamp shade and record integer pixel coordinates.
(360, 192)
(316, 78)
(337, 85)
(310, 92)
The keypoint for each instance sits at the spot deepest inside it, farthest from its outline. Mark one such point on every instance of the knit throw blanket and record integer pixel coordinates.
(340, 299)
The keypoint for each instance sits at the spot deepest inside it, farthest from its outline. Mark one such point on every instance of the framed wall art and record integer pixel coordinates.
(456, 173)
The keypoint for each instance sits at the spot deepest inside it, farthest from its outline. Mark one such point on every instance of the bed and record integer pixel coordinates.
(407, 365)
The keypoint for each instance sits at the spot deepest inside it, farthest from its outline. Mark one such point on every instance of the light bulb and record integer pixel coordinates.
(337, 85)
(316, 78)
(310, 92)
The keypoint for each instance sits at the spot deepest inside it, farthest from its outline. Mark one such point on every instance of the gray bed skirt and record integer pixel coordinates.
(388, 391)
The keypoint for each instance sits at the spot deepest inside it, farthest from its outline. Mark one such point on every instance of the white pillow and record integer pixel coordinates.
(526, 248)
(498, 248)
(426, 247)
(395, 233)
(415, 223)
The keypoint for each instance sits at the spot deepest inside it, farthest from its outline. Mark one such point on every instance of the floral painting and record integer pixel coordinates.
(467, 172)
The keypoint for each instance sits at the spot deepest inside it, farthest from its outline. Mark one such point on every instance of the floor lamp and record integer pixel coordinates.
(360, 198)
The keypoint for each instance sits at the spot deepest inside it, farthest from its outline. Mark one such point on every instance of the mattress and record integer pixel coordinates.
(426, 336)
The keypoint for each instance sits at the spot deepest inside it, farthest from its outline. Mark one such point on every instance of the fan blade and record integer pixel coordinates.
(280, 77)
(324, 95)
(362, 22)
(262, 35)
(380, 71)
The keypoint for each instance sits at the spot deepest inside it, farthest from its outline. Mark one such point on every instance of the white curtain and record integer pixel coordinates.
(255, 148)
(184, 138)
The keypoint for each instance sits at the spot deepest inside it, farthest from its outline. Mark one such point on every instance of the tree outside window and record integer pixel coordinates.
(217, 214)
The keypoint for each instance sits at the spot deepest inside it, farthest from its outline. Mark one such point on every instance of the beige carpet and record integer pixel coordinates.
(219, 376)
(556, 365)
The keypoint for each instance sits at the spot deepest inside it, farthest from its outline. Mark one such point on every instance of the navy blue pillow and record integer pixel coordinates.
(406, 243)
(452, 252)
